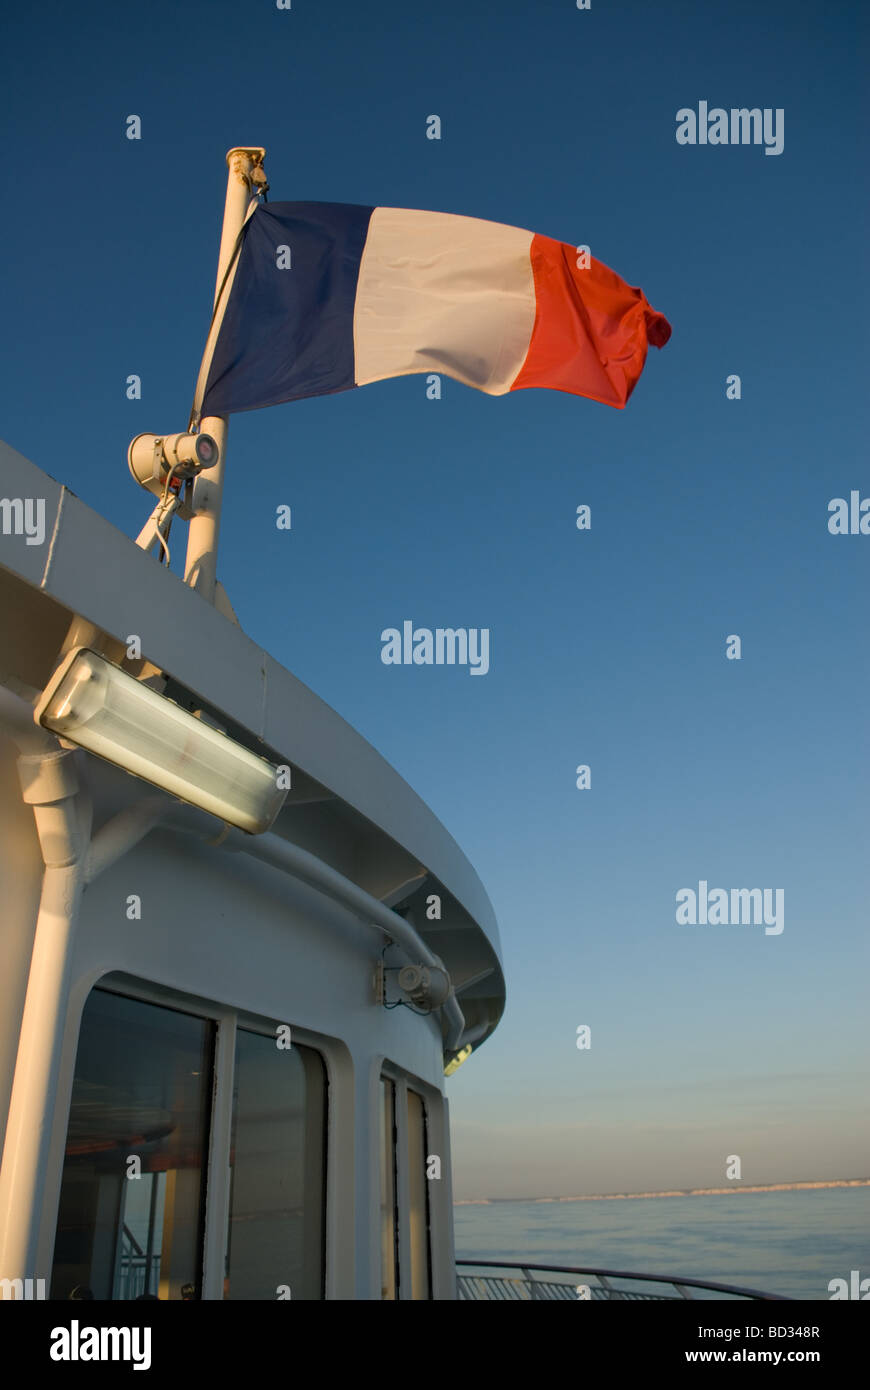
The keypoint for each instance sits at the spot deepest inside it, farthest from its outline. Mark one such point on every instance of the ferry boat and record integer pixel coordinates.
(222, 1053)
(240, 956)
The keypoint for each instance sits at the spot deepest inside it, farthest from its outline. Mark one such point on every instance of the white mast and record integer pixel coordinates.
(200, 570)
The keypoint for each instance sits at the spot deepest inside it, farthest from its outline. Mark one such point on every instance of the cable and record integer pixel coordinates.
(401, 1004)
(193, 422)
(164, 500)
(162, 541)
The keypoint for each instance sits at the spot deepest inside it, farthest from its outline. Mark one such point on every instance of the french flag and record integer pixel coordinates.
(327, 296)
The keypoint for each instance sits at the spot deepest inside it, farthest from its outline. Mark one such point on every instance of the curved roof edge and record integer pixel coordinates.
(127, 591)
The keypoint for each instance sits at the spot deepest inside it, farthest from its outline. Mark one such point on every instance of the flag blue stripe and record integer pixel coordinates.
(288, 330)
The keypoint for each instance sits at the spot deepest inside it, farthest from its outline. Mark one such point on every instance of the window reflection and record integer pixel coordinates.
(131, 1202)
(389, 1223)
(418, 1195)
(276, 1232)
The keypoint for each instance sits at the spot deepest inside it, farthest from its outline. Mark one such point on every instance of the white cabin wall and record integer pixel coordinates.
(234, 932)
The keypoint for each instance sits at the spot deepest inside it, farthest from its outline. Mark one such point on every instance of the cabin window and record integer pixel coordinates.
(131, 1203)
(141, 1163)
(276, 1229)
(406, 1261)
(418, 1197)
(389, 1213)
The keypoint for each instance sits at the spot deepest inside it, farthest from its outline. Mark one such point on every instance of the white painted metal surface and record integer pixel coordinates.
(295, 935)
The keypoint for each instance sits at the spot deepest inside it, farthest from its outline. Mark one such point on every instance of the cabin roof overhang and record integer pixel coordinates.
(343, 790)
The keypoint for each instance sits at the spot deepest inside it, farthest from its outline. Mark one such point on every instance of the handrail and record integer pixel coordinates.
(677, 1281)
(125, 1231)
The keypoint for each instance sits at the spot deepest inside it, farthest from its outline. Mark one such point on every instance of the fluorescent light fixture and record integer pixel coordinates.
(103, 709)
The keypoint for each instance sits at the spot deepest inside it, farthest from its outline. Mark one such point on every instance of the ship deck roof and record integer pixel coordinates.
(86, 566)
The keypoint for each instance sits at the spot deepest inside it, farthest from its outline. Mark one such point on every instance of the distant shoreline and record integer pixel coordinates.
(682, 1192)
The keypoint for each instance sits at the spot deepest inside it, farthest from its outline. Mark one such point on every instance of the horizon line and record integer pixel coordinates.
(677, 1192)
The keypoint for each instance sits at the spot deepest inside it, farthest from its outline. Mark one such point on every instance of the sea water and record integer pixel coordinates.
(791, 1243)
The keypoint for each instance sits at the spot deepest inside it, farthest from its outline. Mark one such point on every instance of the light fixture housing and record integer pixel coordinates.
(105, 710)
(457, 1059)
(152, 457)
(425, 985)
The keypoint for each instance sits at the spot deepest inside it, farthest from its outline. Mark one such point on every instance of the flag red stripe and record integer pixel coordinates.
(591, 329)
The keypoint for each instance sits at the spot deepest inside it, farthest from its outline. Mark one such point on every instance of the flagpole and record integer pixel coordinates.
(200, 570)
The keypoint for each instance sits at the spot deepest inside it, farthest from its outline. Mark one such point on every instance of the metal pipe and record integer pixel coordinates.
(200, 570)
(128, 827)
(131, 825)
(62, 816)
(25, 734)
(291, 859)
(120, 834)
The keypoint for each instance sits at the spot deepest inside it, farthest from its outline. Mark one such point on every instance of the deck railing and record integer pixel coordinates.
(135, 1269)
(486, 1280)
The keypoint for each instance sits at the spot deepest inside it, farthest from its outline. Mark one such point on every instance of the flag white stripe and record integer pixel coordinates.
(442, 293)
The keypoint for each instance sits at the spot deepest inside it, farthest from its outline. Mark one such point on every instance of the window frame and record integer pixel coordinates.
(179, 1004)
(403, 1082)
(388, 1096)
(260, 1028)
(216, 1187)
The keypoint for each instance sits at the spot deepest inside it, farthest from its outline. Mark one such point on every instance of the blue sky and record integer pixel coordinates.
(709, 516)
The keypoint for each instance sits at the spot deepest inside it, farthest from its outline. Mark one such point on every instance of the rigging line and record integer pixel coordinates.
(195, 409)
